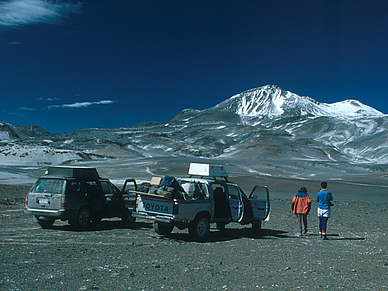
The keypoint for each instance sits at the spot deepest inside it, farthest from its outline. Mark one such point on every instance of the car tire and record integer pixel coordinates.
(84, 218)
(256, 225)
(129, 219)
(162, 228)
(221, 226)
(199, 228)
(45, 223)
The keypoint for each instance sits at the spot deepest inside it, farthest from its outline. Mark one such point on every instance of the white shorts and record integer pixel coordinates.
(324, 212)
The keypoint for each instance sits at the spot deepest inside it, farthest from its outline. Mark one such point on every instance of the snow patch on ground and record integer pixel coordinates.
(15, 179)
(36, 155)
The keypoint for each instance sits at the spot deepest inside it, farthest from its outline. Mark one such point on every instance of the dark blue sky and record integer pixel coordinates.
(68, 65)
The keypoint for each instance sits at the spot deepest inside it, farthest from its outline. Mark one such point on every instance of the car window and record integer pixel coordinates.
(195, 189)
(53, 186)
(242, 192)
(233, 192)
(106, 187)
(92, 189)
(74, 187)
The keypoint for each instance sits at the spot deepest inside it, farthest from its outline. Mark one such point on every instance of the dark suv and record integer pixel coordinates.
(69, 193)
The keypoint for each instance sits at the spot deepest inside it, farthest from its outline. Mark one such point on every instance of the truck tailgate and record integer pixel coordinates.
(154, 205)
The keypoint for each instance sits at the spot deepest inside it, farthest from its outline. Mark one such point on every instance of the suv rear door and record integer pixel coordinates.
(47, 194)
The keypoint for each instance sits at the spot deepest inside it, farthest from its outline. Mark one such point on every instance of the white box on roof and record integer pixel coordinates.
(156, 181)
(207, 170)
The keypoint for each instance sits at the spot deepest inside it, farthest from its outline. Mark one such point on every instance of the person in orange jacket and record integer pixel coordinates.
(301, 206)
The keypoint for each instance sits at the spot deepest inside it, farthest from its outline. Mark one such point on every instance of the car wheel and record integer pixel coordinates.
(221, 226)
(128, 219)
(162, 228)
(256, 225)
(200, 228)
(83, 219)
(45, 223)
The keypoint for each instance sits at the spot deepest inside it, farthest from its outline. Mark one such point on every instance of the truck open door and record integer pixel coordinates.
(236, 202)
(259, 199)
(129, 197)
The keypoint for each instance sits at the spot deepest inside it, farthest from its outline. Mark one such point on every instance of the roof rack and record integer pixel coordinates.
(76, 172)
(207, 170)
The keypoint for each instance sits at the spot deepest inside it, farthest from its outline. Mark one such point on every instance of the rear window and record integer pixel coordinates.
(54, 186)
(195, 189)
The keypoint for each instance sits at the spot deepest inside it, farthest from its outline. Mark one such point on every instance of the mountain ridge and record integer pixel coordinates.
(272, 101)
(271, 130)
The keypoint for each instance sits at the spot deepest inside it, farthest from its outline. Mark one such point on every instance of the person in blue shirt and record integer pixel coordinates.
(324, 198)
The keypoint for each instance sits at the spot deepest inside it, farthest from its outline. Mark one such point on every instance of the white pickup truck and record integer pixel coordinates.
(206, 196)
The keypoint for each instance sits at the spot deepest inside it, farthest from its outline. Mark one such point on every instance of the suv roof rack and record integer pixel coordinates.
(207, 170)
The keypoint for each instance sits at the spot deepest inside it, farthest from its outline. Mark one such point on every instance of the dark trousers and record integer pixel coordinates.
(323, 224)
(301, 219)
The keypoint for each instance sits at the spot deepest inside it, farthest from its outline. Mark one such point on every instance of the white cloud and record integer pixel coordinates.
(26, 109)
(82, 104)
(52, 99)
(48, 99)
(14, 13)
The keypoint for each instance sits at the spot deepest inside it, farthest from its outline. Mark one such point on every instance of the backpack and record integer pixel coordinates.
(170, 188)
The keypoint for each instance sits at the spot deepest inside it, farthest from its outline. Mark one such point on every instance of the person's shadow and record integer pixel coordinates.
(336, 236)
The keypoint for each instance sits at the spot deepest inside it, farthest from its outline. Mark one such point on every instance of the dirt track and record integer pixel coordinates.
(118, 258)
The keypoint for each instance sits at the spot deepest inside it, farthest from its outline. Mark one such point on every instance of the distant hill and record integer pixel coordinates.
(34, 131)
(266, 129)
(8, 131)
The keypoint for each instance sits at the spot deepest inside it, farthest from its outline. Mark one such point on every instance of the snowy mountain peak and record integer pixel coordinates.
(273, 102)
(351, 109)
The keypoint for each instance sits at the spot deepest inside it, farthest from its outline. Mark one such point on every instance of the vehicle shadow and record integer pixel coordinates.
(105, 226)
(230, 234)
(233, 234)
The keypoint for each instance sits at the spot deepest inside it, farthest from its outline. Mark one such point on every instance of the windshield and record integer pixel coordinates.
(54, 186)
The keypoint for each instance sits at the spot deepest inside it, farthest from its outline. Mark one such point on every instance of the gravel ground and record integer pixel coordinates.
(119, 258)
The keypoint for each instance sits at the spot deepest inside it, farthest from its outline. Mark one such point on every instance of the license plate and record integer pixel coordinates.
(43, 201)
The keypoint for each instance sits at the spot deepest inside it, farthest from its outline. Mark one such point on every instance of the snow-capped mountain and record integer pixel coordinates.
(266, 129)
(273, 102)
